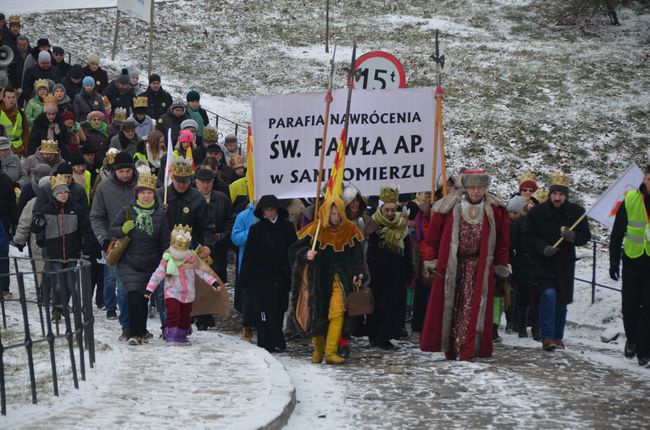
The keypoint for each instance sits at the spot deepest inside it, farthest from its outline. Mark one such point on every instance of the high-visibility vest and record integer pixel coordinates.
(14, 131)
(638, 226)
(88, 177)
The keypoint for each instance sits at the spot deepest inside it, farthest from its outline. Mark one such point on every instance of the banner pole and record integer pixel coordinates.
(151, 15)
(117, 29)
(442, 142)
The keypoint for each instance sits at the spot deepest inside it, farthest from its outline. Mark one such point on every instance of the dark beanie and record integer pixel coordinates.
(124, 77)
(154, 77)
(89, 148)
(123, 160)
(63, 169)
(193, 96)
(76, 159)
(560, 188)
(76, 71)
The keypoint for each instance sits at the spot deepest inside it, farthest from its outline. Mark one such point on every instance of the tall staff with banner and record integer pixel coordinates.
(438, 131)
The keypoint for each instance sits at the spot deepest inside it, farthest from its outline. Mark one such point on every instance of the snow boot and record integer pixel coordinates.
(181, 337)
(319, 349)
(522, 316)
(170, 336)
(333, 334)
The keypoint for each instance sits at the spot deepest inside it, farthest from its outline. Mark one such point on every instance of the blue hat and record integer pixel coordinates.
(88, 80)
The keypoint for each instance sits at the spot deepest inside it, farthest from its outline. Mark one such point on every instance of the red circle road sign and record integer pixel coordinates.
(379, 70)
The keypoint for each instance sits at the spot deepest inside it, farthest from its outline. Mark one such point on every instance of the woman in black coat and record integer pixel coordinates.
(147, 226)
(266, 272)
(49, 126)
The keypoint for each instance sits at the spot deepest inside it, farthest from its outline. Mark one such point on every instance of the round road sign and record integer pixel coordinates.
(378, 70)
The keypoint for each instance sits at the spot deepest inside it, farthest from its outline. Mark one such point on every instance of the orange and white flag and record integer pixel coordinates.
(605, 208)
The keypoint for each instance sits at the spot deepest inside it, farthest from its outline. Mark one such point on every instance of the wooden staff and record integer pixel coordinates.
(575, 224)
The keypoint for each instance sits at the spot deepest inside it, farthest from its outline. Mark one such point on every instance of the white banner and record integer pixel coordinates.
(390, 140)
(140, 9)
(604, 210)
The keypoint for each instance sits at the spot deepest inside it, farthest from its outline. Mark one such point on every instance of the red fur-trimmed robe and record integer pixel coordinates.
(441, 244)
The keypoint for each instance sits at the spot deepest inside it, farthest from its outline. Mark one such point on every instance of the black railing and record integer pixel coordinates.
(237, 126)
(594, 263)
(71, 320)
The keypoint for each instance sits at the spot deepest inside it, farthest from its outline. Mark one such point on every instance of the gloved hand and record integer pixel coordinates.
(550, 251)
(147, 294)
(38, 224)
(568, 235)
(216, 286)
(128, 226)
(614, 272)
(19, 246)
(501, 271)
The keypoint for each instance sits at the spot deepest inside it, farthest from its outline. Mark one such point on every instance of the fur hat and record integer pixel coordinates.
(93, 58)
(269, 201)
(475, 178)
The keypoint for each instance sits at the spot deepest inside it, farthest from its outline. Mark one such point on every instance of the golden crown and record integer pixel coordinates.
(146, 180)
(57, 181)
(14, 19)
(527, 176)
(559, 178)
(41, 83)
(49, 100)
(140, 102)
(49, 147)
(110, 155)
(119, 114)
(181, 237)
(182, 168)
(540, 195)
(388, 194)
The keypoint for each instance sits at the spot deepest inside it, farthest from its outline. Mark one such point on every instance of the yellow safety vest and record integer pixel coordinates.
(87, 184)
(14, 131)
(638, 226)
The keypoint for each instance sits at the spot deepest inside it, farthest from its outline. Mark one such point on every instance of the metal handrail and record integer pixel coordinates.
(594, 284)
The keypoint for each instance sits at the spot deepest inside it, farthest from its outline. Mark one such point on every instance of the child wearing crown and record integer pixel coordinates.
(178, 268)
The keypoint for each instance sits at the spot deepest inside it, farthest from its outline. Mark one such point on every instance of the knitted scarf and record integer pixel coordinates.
(392, 232)
(103, 127)
(143, 220)
(172, 264)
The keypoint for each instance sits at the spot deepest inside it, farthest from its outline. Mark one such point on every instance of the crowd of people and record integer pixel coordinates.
(83, 165)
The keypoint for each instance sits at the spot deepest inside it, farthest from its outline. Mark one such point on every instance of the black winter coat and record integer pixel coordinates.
(100, 76)
(39, 132)
(85, 103)
(144, 252)
(167, 121)
(8, 207)
(71, 89)
(189, 208)
(542, 228)
(220, 215)
(265, 267)
(519, 255)
(99, 139)
(120, 99)
(66, 229)
(33, 74)
(159, 102)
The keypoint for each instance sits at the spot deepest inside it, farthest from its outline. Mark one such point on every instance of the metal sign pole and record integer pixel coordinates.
(150, 36)
(117, 29)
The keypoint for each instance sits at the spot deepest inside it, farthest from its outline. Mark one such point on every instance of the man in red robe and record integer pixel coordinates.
(465, 246)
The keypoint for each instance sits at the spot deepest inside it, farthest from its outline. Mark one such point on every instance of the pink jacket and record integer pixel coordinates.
(179, 287)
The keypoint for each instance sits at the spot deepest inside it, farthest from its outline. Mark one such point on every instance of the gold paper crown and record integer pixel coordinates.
(41, 83)
(559, 178)
(146, 180)
(49, 101)
(181, 237)
(57, 181)
(14, 19)
(110, 155)
(540, 195)
(527, 176)
(49, 147)
(388, 194)
(209, 134)
(140, 102)
(119, 114)
(182, 168)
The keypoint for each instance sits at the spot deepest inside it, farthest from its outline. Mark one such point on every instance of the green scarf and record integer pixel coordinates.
(75, 127)
(143, 221)
(172, 265)
(392, 233)
(103, 127)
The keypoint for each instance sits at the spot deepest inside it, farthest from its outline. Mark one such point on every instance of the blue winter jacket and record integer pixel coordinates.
(239, 236)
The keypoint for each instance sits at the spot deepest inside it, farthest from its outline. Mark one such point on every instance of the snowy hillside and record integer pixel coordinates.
(521, 93)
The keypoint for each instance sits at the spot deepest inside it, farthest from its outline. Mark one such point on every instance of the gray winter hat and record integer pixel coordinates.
(44, 57)
(189, 123)
(516, 204)
(4, 143)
